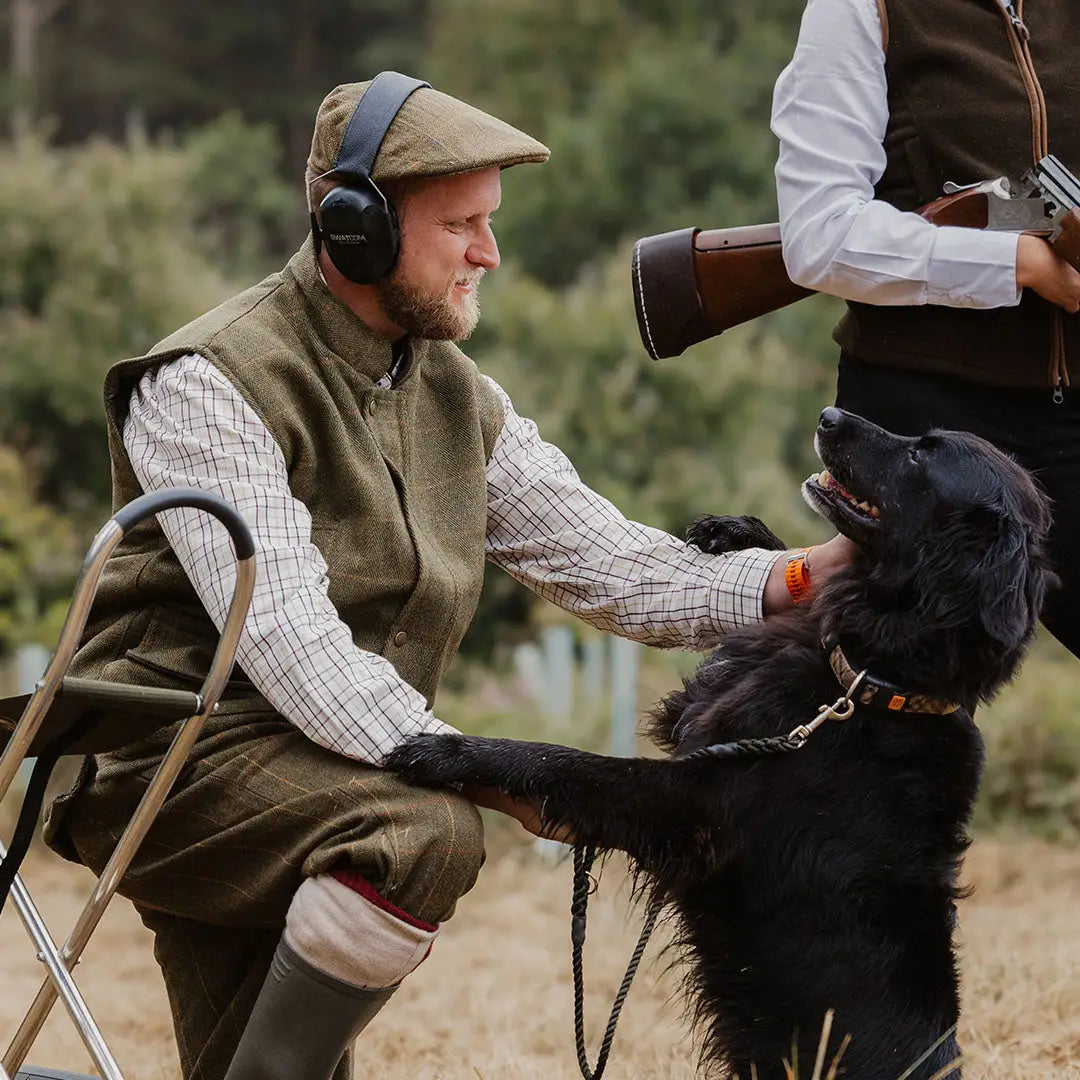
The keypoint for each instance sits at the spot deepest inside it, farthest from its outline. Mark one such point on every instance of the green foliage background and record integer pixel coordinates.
(164, 171)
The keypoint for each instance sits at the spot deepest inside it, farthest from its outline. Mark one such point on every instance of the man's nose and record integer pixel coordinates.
(484, 251)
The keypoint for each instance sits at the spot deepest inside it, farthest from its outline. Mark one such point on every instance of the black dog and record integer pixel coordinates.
(824, 878)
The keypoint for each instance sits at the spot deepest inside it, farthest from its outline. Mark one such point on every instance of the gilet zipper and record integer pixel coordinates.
(1019, 38)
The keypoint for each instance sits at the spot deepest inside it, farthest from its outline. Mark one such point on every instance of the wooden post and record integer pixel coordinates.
(624, 680)
(27, 18)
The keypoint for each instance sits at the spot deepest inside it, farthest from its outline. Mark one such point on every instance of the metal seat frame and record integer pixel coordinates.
(59, 961)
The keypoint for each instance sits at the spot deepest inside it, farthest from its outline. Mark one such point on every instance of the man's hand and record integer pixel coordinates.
(1040, 268)
(822, 562)
(521, 809)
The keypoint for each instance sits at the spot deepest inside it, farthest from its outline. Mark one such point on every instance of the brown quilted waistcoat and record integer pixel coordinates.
(394, 480)
(970, 99)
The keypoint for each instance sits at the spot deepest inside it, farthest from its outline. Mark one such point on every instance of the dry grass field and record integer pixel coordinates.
(494, 1002)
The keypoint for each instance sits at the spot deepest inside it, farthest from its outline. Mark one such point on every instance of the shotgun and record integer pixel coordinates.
(693, 284)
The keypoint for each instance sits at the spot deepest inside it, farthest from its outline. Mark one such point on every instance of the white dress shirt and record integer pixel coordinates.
(188, 425)
(830, 112)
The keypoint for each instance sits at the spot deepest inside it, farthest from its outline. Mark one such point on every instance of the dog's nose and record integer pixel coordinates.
(830, 418)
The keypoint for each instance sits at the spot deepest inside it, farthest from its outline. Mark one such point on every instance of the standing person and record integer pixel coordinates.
(883, 102)
(290, 883)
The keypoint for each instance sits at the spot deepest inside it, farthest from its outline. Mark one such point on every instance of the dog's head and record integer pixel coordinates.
(953, 532)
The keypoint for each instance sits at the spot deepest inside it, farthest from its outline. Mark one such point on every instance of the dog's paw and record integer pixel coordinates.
(433, 760)
(717, 533)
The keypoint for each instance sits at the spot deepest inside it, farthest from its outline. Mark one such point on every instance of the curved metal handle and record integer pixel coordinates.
(83, 597)
(127, 517)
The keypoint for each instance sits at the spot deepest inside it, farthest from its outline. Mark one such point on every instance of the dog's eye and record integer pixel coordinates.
(913, 453)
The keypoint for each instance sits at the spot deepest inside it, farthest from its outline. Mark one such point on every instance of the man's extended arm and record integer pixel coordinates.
(188, 425)
(573, 547)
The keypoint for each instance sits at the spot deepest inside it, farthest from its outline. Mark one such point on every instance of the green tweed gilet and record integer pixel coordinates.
(393, 479)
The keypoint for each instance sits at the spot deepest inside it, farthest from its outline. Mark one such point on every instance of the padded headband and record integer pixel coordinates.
(371, 121)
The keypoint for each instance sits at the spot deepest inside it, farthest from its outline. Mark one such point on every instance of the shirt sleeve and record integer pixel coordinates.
(830, 112)
(571, 546)
(188, 425)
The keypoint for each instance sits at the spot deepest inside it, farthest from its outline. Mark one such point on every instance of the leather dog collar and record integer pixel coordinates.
(879, 694)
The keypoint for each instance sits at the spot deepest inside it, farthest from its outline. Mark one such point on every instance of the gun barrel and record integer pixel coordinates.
(1058, 182)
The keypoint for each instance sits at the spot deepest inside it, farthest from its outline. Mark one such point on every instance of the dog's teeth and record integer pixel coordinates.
(875, 512)
(864, 505)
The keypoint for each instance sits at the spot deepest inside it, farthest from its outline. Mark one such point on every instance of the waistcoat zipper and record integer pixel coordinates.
(1019, 38)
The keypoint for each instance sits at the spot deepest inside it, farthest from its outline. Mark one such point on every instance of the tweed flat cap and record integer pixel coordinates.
(433, 134)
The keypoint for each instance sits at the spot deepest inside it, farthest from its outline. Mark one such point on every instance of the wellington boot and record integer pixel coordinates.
(303, 1022)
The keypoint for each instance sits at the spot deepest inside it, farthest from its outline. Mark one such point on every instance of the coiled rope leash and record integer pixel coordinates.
(585, 856)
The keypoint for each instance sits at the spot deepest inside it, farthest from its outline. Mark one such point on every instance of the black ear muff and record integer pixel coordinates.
(356, 223)
(360, 233)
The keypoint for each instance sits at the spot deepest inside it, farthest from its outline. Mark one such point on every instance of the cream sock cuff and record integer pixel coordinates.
(338, 931)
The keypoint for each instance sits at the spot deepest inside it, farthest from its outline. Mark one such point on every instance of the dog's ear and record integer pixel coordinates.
(983, 561)
(1011, 575)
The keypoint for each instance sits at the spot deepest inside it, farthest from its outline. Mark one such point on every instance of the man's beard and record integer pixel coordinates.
(422, 314)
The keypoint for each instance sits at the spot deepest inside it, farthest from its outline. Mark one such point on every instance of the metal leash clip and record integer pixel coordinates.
(841, 709)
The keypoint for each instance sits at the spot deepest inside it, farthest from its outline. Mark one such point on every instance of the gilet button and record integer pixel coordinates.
(372, 405)
(400, 637)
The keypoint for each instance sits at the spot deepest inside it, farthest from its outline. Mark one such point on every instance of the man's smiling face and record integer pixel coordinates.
(446, 248)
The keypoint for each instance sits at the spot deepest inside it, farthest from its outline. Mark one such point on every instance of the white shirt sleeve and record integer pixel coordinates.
(830, 112)
(571, 546)
(188, 425)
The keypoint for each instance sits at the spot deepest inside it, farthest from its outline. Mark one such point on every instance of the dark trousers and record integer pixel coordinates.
(1043, 436)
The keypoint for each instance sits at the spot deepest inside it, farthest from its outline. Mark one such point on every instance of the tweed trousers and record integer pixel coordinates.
(257, 809)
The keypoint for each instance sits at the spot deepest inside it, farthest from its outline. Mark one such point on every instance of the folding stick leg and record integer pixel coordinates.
(60, 962)
(65, 959)
(63, 984)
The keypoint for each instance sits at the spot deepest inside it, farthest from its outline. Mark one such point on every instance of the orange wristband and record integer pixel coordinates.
(797, 576)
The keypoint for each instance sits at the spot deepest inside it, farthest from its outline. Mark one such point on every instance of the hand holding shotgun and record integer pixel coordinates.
(691, 285)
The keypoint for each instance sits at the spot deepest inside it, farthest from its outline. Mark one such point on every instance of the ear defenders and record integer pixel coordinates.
(359, 226)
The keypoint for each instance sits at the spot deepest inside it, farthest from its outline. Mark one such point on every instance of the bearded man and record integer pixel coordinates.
(290, 883)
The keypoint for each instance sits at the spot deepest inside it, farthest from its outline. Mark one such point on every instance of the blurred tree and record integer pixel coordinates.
(655, 118)
(180, 63)
(656, 112)
(38, 560)
(99, 261)
(247, 217)
(531, 61)
(26, 18)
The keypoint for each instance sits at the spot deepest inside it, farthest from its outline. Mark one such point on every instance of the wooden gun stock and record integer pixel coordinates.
(1067, 241)
(692, 285)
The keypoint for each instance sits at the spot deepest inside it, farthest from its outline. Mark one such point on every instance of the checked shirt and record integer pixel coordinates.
(188, 425)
